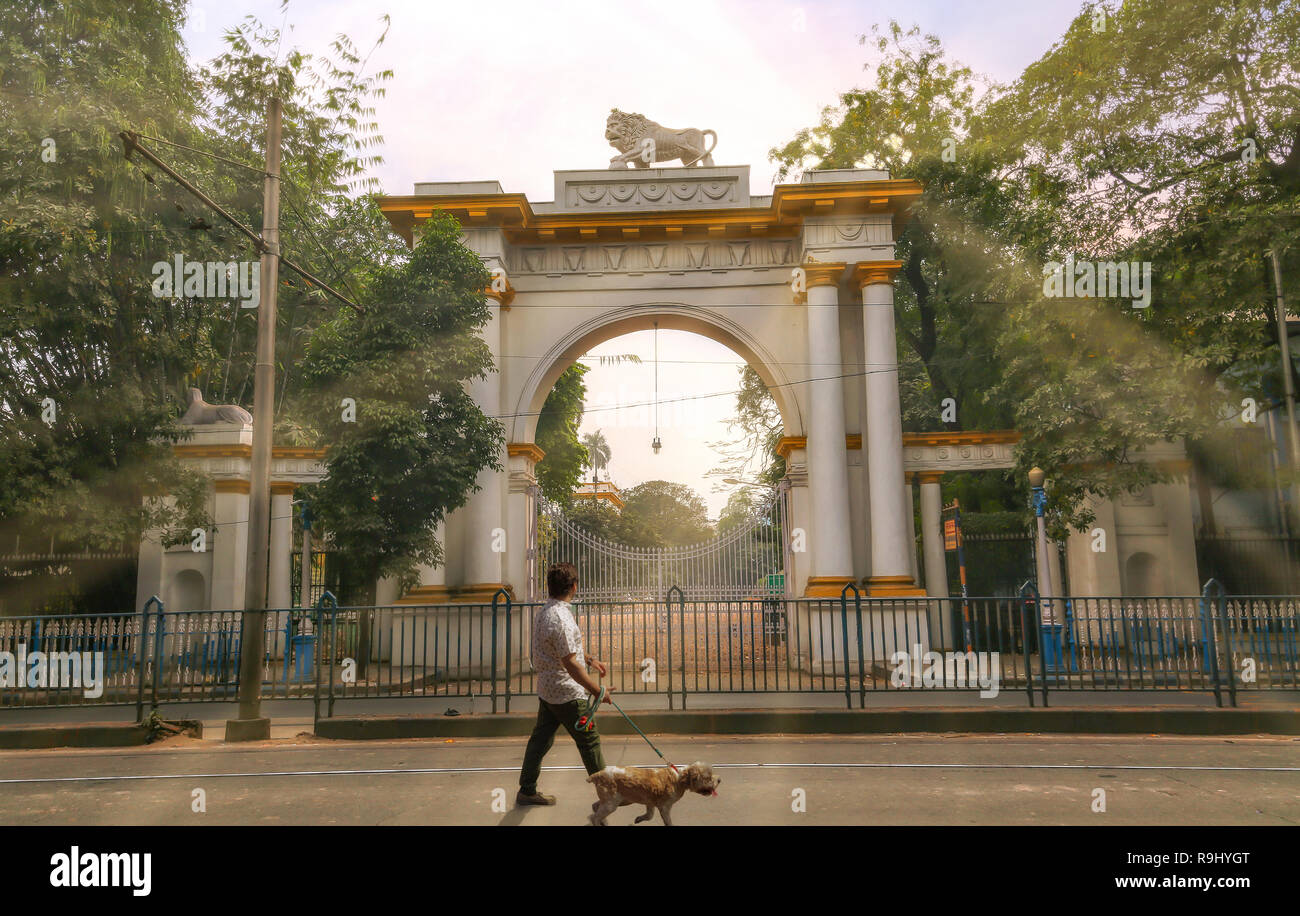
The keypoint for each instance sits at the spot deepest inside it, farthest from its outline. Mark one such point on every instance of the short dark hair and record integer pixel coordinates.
(560, 578)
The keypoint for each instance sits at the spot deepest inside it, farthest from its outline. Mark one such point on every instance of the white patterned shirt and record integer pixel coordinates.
(555, 637)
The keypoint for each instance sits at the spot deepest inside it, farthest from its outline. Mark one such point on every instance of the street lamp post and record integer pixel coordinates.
(1049, 629)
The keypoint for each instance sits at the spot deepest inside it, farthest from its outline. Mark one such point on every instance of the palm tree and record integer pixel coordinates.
(598, 455)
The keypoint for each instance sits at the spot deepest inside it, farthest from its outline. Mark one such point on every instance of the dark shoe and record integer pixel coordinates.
(537, 798)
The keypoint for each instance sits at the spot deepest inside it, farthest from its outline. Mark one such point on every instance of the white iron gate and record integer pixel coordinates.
(748, 559)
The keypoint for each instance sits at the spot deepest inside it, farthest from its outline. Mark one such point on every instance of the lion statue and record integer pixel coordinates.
(641, 142)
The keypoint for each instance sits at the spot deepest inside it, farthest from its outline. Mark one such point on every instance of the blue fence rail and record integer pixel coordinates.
(674, 648)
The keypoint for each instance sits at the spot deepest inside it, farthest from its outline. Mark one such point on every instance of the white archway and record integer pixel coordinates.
(798, 284)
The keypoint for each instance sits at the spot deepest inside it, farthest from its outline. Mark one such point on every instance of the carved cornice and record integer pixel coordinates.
(244, 451)
(784, 215)
(965, 437)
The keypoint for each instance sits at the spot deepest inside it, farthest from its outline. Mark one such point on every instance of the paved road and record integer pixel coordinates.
(876, 780)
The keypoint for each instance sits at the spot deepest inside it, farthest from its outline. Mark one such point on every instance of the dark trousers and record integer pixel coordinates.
(550, 716)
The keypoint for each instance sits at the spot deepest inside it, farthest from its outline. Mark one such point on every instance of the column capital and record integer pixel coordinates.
(283, 487)
(530, 450)
(928, 476)
(789, 444)
(865, 273)
(824, 274)
(503, 297)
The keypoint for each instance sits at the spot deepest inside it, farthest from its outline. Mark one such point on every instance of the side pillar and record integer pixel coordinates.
(279, 592)
(828, 470)
(521, 512)
(149, 568)
(485, 537)
(230, 553)
(891, 564)
(942, 634)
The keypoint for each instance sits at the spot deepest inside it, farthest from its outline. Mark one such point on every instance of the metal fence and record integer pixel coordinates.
(678, 649)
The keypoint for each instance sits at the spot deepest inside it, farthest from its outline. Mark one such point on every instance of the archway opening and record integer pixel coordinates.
(702, 512)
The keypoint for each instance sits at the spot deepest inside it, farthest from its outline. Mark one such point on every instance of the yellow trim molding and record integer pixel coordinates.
(478, 593)
(225, 485)
(893, 587)
(826, 586)
(283, 487)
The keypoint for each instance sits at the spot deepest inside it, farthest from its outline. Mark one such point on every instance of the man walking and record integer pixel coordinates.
(563, 685)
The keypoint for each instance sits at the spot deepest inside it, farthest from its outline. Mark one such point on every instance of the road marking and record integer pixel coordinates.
(426, 771)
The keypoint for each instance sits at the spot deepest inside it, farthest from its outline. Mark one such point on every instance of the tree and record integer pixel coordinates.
(418, 440)
(87, 355)
(557, 435)
(1113, 146)
(80, 324)
(759, 421)
(598, 455)
(662, 514)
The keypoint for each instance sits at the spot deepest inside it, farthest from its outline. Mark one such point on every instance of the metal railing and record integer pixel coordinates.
(677, 649)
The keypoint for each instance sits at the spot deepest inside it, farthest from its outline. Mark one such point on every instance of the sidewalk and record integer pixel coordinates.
(885, 712)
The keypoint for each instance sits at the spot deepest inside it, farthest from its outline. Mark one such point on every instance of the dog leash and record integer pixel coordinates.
(588, 722)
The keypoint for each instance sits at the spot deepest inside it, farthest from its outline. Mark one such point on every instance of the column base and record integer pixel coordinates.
(477, 593)
(826, 586)
(893, 587)
(248, 730)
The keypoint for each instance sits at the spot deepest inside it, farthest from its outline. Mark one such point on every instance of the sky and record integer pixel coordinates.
(512, 91)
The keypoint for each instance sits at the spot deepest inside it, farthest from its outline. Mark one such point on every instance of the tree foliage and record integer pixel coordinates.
(560, 469)
(418, 441)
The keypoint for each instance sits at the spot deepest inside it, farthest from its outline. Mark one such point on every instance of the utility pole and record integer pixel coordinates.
(251, 726)
(1287, 385)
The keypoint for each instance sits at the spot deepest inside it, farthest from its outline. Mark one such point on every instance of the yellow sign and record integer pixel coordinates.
(950, 534)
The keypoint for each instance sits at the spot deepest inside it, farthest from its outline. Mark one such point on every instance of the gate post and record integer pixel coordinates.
(496, 599)
(844, 622)
(1227, 638)
(509, 633)
(1209, 645)
(1026, 591)
(333, 608)
(681, 599)
(139, 651)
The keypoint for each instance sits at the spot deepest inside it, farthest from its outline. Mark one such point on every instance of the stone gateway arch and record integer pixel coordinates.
(798, 283)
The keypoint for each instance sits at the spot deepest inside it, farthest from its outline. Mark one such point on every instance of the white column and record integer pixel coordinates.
(230, 553)
(891, 564)
(828, 472)
(279, 593)
(936, 565)
(483, 511)
(521, 512)
(911, 526)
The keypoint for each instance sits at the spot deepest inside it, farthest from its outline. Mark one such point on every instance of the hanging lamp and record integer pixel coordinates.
(656, 444)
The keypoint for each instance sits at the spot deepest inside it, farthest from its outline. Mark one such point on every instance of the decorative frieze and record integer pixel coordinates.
(645, 257)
